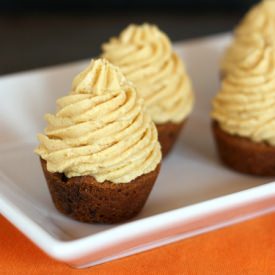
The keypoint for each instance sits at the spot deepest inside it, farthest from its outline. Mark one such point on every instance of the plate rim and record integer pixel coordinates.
(68, 249)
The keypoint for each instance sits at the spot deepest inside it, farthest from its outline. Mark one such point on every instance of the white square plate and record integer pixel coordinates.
(193, 194)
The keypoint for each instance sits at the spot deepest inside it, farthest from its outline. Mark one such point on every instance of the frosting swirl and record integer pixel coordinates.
(100, 129)
(99, 77)
(245, 105)
(145, 56)
(259, 20)
(252, 36)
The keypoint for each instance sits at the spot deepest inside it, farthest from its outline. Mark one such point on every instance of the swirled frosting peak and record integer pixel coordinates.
(245, 105)
(254, 34)
(259, 20)
(145, 56)
(100, 129)
(98, 78)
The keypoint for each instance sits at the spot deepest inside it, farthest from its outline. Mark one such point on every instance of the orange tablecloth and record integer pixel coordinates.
(246, 248)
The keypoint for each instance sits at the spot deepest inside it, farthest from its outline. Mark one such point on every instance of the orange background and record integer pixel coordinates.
(246, 248)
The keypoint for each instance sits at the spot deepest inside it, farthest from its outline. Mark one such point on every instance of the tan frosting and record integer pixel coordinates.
(259, 20)
(245, 105)
(252, 36)
(145, 56)
(100, 129)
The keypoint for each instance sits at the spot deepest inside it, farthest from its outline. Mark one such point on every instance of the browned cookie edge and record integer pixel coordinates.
(168, 134)
(244, 155)
(86, 200)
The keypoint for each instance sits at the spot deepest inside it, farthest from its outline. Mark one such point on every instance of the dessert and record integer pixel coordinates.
(100, 152)
(244, 109)
(251, 36)
(145, 56)
(259, 21)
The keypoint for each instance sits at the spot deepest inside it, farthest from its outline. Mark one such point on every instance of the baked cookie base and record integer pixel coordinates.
(86, 200)
(244, 155)
(168, 134)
